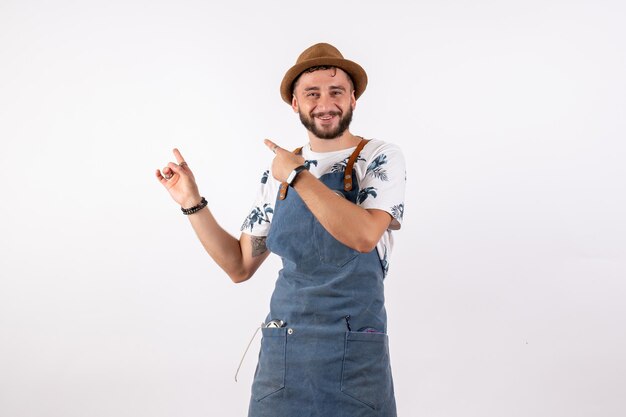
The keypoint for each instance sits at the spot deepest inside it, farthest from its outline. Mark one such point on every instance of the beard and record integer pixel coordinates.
(344, 123)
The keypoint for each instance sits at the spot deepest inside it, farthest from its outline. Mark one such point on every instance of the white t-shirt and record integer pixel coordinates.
(381, 174)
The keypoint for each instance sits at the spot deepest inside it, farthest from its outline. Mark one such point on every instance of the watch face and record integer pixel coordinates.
(295, 173)
(291, 176)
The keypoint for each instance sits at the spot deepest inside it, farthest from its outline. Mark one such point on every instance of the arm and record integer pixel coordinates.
(354, 226)
(239, 258)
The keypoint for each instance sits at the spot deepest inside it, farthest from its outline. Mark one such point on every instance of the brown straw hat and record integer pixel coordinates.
(322, 54)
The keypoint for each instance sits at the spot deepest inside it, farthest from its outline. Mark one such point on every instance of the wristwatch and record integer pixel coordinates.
(292, 176)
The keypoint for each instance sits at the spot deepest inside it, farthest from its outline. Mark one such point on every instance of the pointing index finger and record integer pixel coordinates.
(179, 157)
(271, 145)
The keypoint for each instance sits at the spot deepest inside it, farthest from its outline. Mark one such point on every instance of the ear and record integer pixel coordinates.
(352, 100)
(294, 103)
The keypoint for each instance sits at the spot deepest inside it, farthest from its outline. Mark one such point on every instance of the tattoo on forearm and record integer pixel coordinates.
(258, 245)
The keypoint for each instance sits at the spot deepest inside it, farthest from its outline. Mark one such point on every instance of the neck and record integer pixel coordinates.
(345, 141)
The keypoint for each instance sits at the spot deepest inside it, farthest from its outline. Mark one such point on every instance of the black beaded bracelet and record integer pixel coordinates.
(191, 210)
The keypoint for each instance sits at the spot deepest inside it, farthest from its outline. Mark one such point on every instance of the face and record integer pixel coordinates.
(324, 99)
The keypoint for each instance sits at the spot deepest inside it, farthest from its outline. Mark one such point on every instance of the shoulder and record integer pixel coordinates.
(382, 161)
(379, 152)
(376, 147)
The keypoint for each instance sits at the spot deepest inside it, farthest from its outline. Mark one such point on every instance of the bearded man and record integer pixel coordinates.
(328, 210)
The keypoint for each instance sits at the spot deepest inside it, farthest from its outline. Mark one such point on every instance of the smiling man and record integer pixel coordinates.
(328, 210)
(334, 122)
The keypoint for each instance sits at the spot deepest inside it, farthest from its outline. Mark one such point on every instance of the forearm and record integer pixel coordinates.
(239, 258)
(350, 224)
(224, 248)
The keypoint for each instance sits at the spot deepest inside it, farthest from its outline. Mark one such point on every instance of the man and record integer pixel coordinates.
(328, 213)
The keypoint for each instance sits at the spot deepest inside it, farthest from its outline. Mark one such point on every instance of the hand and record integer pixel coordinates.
(284, 162)
(179, 181)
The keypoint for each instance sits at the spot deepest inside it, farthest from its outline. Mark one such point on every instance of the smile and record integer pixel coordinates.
(326, 118)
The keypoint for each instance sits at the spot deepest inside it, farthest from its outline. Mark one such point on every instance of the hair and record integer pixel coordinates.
(319, 68)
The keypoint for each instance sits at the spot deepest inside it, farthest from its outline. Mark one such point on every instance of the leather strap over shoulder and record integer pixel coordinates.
(347, 177)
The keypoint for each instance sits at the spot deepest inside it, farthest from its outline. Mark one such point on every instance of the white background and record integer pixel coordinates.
(506, 294)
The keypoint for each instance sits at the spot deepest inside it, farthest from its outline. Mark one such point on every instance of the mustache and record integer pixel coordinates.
(327, 113)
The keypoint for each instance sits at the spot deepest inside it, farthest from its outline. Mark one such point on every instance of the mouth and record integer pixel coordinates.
(326, 118)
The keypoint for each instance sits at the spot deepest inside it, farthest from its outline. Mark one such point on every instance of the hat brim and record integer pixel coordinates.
(354, 70)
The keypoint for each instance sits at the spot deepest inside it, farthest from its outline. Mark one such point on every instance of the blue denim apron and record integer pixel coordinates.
(331, 359)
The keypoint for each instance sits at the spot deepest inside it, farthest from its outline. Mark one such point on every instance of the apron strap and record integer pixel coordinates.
(347, 177)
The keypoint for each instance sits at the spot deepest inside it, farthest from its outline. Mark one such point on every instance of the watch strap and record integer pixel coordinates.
(292, 176)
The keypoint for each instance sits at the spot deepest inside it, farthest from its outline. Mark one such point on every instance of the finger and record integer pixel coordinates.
(178, 155)
(160, 177)
(271, 145)
(166, 173)
(174, 167)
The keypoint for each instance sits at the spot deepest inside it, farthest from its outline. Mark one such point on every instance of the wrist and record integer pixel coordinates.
(290, 181)
(295, 173)
(191, 201)
(298, 178)
(194, 209)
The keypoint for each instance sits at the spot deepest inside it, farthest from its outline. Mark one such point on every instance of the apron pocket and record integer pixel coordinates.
(270, 371)
(330, 250)
(366, 374)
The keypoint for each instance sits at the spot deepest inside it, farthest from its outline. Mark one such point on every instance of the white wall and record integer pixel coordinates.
(506, 292)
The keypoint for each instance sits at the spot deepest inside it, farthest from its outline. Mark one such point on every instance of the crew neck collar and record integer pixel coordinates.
(311, 153)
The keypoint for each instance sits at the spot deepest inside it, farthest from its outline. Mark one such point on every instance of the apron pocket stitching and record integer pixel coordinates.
(269, 377)
(366, 374)
(330, 250)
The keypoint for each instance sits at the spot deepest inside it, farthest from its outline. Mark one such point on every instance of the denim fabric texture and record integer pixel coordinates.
(320, 364)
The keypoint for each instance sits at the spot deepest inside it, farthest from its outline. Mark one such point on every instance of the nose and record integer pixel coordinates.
(325, 103)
